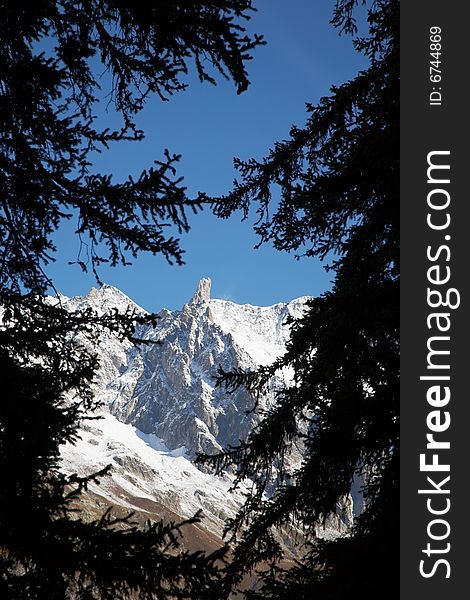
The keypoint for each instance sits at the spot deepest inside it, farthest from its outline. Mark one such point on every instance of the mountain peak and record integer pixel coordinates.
(107, 298)
(202, 295)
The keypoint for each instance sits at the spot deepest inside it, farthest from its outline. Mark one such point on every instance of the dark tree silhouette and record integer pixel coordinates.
(52, 57)
(338, 180)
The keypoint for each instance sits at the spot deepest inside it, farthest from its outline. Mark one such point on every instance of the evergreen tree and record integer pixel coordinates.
(338, 180)
(52, 55)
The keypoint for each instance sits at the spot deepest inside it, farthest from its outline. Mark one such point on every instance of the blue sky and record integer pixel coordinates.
(209, 126)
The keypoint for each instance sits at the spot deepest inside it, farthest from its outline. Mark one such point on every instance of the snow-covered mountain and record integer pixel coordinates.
(162, 405)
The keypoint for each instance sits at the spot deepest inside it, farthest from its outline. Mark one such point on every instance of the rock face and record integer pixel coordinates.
(203, 293)
(170, 389)
(163, 405)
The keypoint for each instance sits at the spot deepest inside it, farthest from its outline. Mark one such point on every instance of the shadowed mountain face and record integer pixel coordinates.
(162, 405)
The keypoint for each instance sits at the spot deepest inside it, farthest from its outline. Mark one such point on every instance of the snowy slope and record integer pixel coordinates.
(258, 330)
(144, 468)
